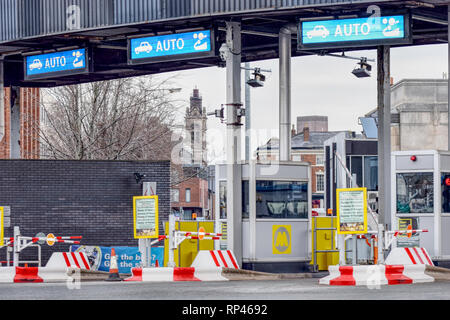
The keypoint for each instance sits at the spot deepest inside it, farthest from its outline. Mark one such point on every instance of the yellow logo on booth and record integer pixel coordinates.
(281, 239)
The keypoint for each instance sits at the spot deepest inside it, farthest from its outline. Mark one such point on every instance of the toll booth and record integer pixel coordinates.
(276, 215)
(421, 197)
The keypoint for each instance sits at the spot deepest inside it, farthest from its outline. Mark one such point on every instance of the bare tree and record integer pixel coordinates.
(125, 119)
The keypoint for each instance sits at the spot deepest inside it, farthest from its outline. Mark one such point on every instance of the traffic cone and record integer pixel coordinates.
(113, 268)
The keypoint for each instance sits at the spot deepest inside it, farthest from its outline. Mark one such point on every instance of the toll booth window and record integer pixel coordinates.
(281, 199)
(415, 192)
(245, 200)
(223, 199)
(371, 173)
(357, 168)
(445, 186)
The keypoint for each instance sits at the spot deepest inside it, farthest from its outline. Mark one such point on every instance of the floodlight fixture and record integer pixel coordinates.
(258, 79)
(363, 69)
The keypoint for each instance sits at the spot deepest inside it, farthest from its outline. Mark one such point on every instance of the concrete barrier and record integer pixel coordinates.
(176, 274)
(375, 275)
(7, 274)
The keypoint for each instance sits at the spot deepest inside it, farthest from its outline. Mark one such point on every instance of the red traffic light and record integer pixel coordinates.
(447, 181)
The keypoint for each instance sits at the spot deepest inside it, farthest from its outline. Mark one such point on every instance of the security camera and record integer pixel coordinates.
(223, 51)
(139, 176)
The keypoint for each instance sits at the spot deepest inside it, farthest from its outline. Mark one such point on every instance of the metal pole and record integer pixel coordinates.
(247, 114)
(315, 244)
(353, 184)
(172, 241)
(16, 247)
(384, 144)
(284, 44)
(234, 176)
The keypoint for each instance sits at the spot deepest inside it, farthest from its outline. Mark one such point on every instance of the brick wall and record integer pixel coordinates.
(88, 198)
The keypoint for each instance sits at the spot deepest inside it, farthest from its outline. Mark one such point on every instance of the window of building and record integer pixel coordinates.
(371, 173)
(245, 199)
(319, 160)
(223, 199)
(296, 157)
(320, 182)
(175, 195)
(281, 199)
(415, 192)
(356, 164)
(188, 195)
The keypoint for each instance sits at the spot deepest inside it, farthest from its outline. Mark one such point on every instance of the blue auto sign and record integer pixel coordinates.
(354, 32)
(171, 47)
(55, 64)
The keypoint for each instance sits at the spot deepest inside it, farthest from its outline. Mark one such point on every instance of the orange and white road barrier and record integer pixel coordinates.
(54, 271)
(168, 274)
(215, 258)
(409, 256)
(375, 275)
(68, 260)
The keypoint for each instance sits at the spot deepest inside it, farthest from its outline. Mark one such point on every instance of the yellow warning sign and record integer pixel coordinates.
(281, 239)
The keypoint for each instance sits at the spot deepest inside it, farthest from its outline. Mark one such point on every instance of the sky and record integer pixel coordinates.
(321, 85)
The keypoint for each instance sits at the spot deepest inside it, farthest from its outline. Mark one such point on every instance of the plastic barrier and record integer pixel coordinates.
(176, 274)
(55, 270)
(7, 274)
(375, 275)
(27, 274)
(68, 259)
(215, 258)
(409, 256)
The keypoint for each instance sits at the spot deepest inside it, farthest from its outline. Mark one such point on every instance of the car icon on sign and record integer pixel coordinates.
(318, 31)
(37, 64)
(143, 47)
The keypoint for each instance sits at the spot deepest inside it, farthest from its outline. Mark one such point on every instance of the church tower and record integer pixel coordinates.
(195, 120)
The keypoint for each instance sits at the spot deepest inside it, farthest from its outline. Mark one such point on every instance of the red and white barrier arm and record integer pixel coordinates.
(188, 233)
(397, 232)
(198, 238)
(36, 239)
(70, 238)
(160, 238)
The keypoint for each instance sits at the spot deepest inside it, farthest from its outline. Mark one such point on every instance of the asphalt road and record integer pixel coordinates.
(293, 289)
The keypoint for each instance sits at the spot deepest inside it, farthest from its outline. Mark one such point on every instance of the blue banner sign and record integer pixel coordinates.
(127, 257)
(171, 47)
(56, 64)
(354, 32)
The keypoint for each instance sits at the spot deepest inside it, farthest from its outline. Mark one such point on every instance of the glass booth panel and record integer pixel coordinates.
(445, 187)
(281, 199)
(223, 199)
(415, 192)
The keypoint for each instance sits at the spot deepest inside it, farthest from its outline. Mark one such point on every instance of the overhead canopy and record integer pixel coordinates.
(104, 27)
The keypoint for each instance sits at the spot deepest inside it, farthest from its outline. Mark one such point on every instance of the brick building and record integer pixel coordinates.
(192, 197)
(22, 120)
(306, 146)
